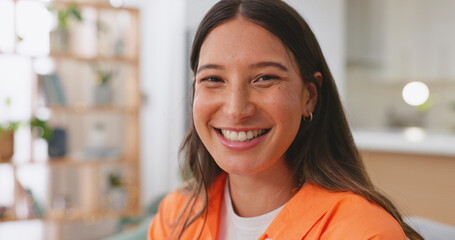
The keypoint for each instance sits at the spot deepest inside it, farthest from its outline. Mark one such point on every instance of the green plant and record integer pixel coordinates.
(10, 126)
(65, 14)
(103, 74)
(42, 128)
(115, 180)
(104, 77)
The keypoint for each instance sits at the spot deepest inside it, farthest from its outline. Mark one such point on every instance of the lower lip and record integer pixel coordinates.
(240, 146)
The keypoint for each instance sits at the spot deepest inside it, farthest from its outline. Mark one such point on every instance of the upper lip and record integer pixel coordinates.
(241, 129)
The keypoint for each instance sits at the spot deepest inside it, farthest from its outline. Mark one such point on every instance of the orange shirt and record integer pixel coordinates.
(312, 213)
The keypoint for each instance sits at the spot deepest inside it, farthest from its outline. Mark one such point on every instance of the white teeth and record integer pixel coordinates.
(233, 136)
(249, 134)
(241, 136)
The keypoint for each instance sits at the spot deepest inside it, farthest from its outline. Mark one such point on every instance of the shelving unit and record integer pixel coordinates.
(102, 174)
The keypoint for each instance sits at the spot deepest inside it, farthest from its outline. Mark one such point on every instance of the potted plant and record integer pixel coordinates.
(60, 37)
(117, 192)
(7, 137)
(7, 140)
(103, 93)
(55, 138)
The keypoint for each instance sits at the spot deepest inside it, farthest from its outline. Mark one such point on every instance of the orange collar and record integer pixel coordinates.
(294, 221)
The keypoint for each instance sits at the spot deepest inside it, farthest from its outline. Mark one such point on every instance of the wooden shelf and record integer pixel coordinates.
(86, 175)
(83, 109)
(73, 162)
(5, 220)
(3, 162)
(115, 59)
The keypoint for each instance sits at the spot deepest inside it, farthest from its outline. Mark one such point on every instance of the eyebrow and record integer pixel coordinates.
(269, 64)
(253, 66)
(209, 66)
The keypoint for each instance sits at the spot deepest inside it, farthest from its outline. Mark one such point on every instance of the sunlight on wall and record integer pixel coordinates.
(34, 23)
(6, 28)
(15, 74)
(6, 186)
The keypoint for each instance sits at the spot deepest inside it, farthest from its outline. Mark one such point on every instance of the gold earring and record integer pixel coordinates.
(309, 118)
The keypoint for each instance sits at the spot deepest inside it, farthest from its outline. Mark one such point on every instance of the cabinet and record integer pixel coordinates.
(74, 65)
(401, 40)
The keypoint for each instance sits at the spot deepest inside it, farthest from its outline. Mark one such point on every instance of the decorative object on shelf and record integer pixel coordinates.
(36, 208)
(97, 143)
(52, 89)
(6, 145)
(61, 203)
(56, 138)
(28, 206)
(104, 38)
(7, 137)
(60, 37)
(117, 191)
(3, 210)
(103, 93)
(41, 129)
(57, 146)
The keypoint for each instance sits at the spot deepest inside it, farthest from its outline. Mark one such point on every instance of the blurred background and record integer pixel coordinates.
(94, 96)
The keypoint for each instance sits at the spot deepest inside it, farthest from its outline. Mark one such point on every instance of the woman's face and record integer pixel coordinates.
(249, 98)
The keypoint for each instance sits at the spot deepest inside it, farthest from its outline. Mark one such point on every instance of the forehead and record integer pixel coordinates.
(239, 41)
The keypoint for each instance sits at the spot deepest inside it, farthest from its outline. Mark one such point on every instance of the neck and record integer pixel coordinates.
(258, 194)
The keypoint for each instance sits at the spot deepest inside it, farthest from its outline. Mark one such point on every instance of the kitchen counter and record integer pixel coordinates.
(409, 140)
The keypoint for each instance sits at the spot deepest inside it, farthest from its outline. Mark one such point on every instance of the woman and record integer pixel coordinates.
(269, 152)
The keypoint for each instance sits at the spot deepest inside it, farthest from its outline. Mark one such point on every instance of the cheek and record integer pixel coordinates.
(203, 108)
(198, 111)
(286, 105)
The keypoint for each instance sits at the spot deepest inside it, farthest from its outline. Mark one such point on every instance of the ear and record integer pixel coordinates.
(311, 95)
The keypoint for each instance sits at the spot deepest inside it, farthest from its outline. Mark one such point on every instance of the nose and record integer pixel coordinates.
(238, 105)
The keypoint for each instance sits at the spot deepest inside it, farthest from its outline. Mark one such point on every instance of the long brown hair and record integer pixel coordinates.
(323, 152)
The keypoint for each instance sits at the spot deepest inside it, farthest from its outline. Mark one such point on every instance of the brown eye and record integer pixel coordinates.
(212, 79)
(267, 77)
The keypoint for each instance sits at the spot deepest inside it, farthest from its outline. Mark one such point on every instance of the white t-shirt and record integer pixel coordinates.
(233, 227)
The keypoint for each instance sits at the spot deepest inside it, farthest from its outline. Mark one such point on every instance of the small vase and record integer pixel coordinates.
(57, 145)
(6, 146)
(117, 198)
(103, 95)
(59, 40)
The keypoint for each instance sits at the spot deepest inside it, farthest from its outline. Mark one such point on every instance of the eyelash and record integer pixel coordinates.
(212, 79)
(267, 77)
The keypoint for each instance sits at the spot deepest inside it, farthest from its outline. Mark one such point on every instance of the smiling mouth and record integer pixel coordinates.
(242, 136)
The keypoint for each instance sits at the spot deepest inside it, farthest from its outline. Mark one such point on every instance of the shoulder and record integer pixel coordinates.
(352, 215)
(175, 204)
(170, 208)
(172, 204)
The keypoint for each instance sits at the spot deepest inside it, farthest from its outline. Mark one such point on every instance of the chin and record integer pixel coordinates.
(239, 168)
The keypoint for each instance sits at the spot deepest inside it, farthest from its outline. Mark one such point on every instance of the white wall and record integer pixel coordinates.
(162, 74)
(164, 67)
(327, 20)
